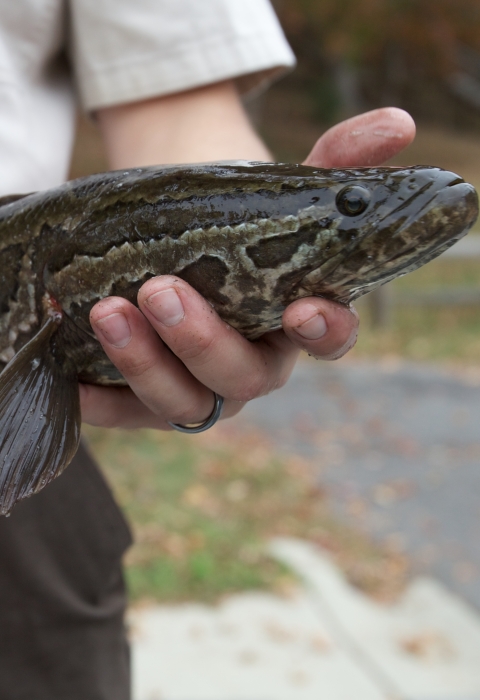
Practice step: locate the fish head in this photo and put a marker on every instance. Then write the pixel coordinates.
(383, 223)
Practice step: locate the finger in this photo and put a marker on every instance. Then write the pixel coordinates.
(322, 328)
(116, 407)
(216, 354)
(367, 139)
(119, 407)
(156, 376)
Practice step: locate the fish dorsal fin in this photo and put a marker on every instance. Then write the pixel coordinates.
(9, 198)
(39, 419)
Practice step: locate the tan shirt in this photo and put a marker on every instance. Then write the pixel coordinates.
(118, 51)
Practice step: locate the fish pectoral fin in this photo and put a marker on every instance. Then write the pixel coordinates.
(39, 419)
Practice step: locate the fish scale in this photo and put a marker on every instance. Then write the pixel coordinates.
(250, 237)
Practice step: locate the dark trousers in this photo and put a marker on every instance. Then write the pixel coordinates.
(62, 596)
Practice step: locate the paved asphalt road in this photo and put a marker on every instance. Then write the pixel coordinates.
(398, 447)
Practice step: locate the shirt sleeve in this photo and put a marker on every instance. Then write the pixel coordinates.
(128, 50)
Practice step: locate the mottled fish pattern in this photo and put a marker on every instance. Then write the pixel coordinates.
(250, 237)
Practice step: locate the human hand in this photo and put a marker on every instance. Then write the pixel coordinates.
(174, 350)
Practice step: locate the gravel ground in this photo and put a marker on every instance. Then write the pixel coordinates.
(398, 447)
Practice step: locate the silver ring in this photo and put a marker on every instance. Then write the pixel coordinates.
(211, 420)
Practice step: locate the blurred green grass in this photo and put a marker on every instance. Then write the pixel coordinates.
(426, 332)
(203, 508)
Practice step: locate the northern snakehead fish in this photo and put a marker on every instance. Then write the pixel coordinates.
(250, 237)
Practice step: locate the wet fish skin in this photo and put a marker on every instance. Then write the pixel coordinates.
(251, 238)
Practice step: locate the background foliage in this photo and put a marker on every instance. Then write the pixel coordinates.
(423, 55)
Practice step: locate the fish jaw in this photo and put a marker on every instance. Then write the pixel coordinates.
(439, 212)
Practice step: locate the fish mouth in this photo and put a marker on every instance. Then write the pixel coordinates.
(423, 225)
(423, 236)
(447, 217)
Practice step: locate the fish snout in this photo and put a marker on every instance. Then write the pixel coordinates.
(457, 201)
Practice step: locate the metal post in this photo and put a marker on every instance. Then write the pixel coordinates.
(380, 304)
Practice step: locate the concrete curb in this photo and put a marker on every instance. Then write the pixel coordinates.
(328, 642)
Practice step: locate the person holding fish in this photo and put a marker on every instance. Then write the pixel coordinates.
(165, 82)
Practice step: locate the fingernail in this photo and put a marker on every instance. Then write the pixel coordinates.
(313, 328)
(115, 329)
(166, 306)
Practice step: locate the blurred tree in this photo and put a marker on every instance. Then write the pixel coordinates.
(418, 54)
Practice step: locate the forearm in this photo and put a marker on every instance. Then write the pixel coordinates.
(205, 124)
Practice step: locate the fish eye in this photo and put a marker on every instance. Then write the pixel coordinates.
(352, 200)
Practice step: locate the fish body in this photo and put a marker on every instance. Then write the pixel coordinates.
(250, 237)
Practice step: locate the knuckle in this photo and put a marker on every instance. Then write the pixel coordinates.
(135, 367)
(196, 348)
